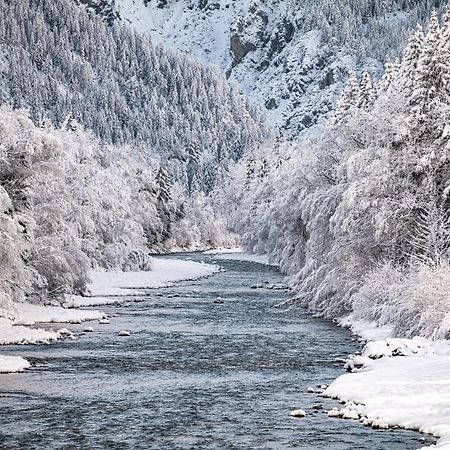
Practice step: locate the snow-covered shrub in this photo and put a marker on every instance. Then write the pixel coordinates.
(415, 300)
(202, 227)
(137, 260)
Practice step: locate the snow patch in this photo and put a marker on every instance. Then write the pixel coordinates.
(237, 254)
(165, 272)
(12, 364)
(400, 382)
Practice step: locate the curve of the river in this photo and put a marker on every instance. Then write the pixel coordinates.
(194, 374)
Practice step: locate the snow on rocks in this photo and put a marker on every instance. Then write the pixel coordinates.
(77, 301)
(18, 331)
(334, 413)
(124, 333)
(89, 330)
(12, 364)
(11, 334)
(298, 413)
(103, 321)
(398, 383)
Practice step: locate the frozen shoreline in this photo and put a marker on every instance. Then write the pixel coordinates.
(106, 288)
(237, 254)
(398, 383)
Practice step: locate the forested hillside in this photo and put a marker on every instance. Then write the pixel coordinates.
(59, 60)
(69, 204)
(293, 57)
(107, 145)
(358, 213)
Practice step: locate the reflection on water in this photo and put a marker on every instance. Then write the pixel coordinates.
(193, 375)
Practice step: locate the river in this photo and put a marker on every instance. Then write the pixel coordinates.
(194, 374)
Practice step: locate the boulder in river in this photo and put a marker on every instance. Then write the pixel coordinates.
(298, 413)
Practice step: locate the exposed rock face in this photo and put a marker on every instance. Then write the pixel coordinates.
(292, 57)
(104, 8)
(248, 33)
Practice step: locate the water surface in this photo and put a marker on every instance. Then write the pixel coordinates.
(194, 374)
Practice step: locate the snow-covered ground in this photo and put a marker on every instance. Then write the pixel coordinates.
(237, 254)
(10, 364)
(32, 314)
(165, 272)
(399, 382)
(369, 331)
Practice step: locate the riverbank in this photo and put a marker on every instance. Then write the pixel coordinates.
(105, 288)
(401, 383)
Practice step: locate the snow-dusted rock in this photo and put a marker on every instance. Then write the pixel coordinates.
(334, 413)
(124, 333)
(298, 413)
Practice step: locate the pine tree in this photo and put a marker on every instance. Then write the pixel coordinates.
(348, 99)
(432, 73)
(390, 75)
(410, 60)
(164, 185)
(367, 93)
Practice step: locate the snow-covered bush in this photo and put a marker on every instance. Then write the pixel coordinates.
(415, 300)
(202, 227)
(68, 204)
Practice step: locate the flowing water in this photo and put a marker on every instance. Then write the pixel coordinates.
(194, 374)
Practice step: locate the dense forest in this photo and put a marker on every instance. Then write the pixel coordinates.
(59, 60)
(107, 147)
(358, 212)
(293, 57)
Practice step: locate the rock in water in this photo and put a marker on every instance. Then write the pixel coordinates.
(124, 333)
(103, 321)
(298, 413)
(89, 330)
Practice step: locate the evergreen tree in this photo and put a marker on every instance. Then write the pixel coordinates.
(348, 99)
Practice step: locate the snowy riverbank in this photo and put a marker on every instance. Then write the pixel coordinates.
(106, 287)
(237, 254)
(399, 383)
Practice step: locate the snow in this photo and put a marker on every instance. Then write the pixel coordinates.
(237, 254)
(11, 364)
(404, 383)
(32, 314)
(369, 331)
(77, 301)
(13, 334)
(18, 331)
(221, 251)
(298, 413)
(165, 272)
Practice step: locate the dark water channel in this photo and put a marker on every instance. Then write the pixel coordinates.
(194, 374)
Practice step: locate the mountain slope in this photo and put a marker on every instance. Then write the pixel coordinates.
(292, 56)
(58, 60)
